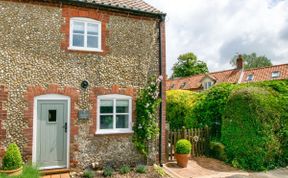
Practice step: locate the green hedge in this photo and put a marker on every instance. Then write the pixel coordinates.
(250, 121)
(179, 108)
(210, 107)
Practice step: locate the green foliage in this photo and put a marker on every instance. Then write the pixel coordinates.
(188, 65)
(146, 125)
(183, 146)
(108, 171)
(88, 174)
(250, 121)
(179, 108)
(28, 171)
(252, 61)
(141, 169)
(12, 158)
(159, 170)
(124, 169)
(217, 150)
(210, 107)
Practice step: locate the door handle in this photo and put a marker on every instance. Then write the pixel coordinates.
(65, 127)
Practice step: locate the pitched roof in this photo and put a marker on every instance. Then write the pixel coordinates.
(265, 73)
(138, 5)
(229, 76)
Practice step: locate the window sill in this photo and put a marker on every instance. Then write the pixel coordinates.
(85, 49)
(114, 133)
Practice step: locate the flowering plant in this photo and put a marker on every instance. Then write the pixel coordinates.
(146, 125)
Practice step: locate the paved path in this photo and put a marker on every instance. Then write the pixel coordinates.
(210, 168)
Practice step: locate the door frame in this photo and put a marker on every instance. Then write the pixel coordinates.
(50, 97)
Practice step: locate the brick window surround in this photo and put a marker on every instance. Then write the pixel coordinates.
(115, 89)
(69, 12)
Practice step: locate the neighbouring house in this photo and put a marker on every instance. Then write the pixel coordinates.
(70, 71)
(238, 75)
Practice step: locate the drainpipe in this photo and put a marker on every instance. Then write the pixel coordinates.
(162, 19)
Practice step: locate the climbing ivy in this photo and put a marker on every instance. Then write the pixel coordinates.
(146, 125)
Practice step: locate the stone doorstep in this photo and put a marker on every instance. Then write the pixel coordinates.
(50, 172)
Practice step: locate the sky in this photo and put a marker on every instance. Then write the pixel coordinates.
(216, 30)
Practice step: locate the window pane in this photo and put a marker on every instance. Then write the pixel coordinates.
(122, 121)
(122, 106)
(52, 116)
(106, 106)
(92, 41)
(78, 27)
(106, 122)
(78, 40)
(92, 29)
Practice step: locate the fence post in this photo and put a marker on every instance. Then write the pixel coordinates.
(207, 138)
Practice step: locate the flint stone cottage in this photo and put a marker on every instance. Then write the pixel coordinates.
(69, 76)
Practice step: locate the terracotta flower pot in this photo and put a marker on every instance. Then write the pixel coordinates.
(15, 172)
(182, 159)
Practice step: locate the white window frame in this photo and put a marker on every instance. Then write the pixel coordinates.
(275, 74)
(251, 77)
(114, 97)
(85, 21)
(206, 86)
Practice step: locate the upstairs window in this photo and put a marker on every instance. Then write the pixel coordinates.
(114, 114)
(85, 34)
(250, 77)
(207, 85)
(275, 74)
(172, 86)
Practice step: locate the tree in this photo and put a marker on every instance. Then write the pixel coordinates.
(188, 65)
(252, 61)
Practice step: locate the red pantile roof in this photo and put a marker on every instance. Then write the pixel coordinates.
(139, 5)
(265, 73)
(229, 76)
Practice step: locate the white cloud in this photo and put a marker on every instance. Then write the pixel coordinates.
(215, 30)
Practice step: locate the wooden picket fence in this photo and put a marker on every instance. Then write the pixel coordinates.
(199, 138)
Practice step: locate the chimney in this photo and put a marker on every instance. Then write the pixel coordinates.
(240, 62)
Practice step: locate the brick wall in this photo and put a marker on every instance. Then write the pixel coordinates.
(3, 116)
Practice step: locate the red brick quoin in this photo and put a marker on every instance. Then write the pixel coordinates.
(33, 91)
(71, 11)
(3, 116)
(115, 89)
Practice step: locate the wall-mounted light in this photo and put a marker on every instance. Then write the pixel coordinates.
(84, 84)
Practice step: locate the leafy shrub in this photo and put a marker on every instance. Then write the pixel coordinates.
(108, 171)
(124, 169)
(12, 158)
(159, 170)
(88, 174)
(217, 150)
(141, 169)
(179, 108)
(146, 125)
(183, 146)
(250, 121)
(28, 172)
(210, 107)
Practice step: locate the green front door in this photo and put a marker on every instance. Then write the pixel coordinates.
(51, 149)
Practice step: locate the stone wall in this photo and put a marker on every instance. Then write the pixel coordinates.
(34, 58)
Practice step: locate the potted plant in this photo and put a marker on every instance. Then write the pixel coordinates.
(12, 162)
(182, 152)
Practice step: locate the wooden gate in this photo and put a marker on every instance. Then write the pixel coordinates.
(199, 138)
